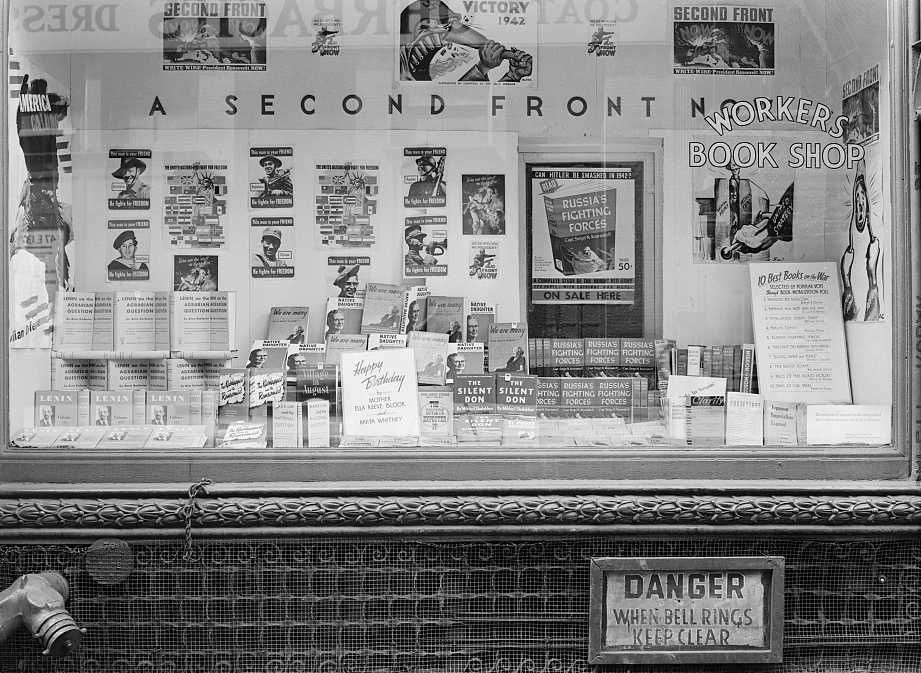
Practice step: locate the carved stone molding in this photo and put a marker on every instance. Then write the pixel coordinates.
(455, 511)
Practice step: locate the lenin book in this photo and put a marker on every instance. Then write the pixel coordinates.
(74, 322)
(111, 407)
(78, 374)
(202, 321)
(128, 374)
(135, 321)
(61, 407)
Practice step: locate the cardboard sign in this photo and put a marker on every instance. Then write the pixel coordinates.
(686, 610)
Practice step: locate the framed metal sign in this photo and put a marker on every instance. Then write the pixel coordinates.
(686, 610)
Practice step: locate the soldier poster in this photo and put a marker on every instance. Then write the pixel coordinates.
(131, 241)
(129, 187)
(214, 36)
(424, 177)
(860, 104)
(347, 275)
(483, 259)
(456, 42)
(484, 204)
(346, 204)
(271, 177)
(723, 40)
(583, 222)
(195, 203)
(272, 247)
(425, 246)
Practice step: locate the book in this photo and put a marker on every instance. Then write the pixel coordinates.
(430, 352)
(61, 407)
(747, 371)
(268, 354)
(601, 356)
(383, 310)
(288, 323)
(415, 309)
(508, 345)
(564, 357)
(474, 394)
(744, 419)
(127, 374)
(287, 425)
(171, 407)
(183, 374)
(338, 344)
(548, 397)
(516, 394)
(638, 353)
(111, 407)
(445, 315)
(379, 341)
(135, 321)
(300, 356)
(202, 321)
(161, 321)
(379, 397)
(233, 398)
(319, 382)
(122, 438)
(622, 397)
(318, 423)
(74, 321)
(343, 315)
(581, 249)
(695, 355)
(478, 318)
(705, 419)
(78, 374)
(82, 437)
(175, 437)
(579, 397)
(465, 358)
(436, 414)
(799, 332)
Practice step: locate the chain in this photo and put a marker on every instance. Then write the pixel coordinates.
(195, 490)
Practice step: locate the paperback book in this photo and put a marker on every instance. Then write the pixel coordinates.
(445, 316)
(343, 316)
(288, 323)
(383, 310)
(508, 347)
(430, 352)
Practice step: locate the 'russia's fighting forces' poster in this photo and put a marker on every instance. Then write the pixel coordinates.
(583, 223)
(467, 41)
(723, 40)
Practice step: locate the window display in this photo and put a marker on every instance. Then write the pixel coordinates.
(451, 224)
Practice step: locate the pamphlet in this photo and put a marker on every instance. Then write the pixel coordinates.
(288, 323)
(343, 315)
(836, 424)
(744, 419)
(430, 352)
(383, 310)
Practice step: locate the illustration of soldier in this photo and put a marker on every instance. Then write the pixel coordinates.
(434, 41)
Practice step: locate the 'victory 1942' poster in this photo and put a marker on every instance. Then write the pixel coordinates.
(583, 222)
(467, 42)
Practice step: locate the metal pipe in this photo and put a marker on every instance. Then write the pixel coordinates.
(37, 601)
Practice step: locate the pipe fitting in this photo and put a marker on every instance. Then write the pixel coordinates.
(37, 601)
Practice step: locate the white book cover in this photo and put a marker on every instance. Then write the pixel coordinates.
(202, 321)
(74, 328)
(799, 332)
(78, 374)
(744, 419)
(287, 425)
(379, 396)
(103, 328)
(128, 374)
(135, 321)
(317, 423)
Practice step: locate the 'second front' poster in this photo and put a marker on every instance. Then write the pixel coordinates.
(583, 226)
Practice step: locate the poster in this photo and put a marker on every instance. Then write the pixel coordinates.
(483, 259)
(379, 395)
(799, 332)
(583, 224)
(131, 242)
(346, 204)
(723, 40)
(424, 177)
(743, 214)
(860, 104)
(460, 42)
(484, 204)
(40, 234)
(214, 36)
(602, 40)
(195, 273)
(425, 246)
(861, 255)
(328, 29)
(195, 203)
(129, 188)
(272, 247)
(271, 177)
(347, 275)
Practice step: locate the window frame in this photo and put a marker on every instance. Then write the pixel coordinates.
(496, 470)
